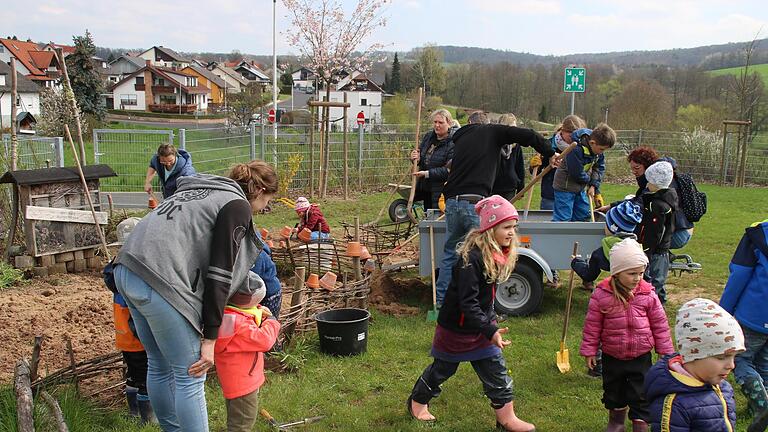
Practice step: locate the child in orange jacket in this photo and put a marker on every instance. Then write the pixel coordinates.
(247, 331)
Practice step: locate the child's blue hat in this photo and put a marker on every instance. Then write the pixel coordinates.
(623, 217)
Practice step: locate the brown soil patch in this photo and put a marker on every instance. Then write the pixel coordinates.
(387, 291)
(74, 306)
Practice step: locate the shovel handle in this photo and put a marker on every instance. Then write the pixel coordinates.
(570, 295)
(530, 197)
(543, 172)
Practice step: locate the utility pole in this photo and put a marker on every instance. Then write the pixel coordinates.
(275, 89)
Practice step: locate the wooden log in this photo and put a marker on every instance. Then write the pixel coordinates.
(55, 409)
(24, 400)
(73, 365)
(35, 358)
(65, 215)
(298, 290)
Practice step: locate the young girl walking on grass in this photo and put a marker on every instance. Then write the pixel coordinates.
(626, 316)
(466, 325)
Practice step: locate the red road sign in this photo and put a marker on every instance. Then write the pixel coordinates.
(271, 116)
(360, 118)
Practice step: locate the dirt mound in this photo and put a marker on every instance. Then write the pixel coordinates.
(387, 292)
(74, 306)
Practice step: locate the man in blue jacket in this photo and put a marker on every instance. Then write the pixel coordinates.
(169, 164)
(745, 296)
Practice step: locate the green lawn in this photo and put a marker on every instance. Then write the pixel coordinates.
(369, 391)
(761, 69)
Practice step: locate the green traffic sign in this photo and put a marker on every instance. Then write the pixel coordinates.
(575, 80)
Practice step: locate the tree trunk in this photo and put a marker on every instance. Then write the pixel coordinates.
(24, 399)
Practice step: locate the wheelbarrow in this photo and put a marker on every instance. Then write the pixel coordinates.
(682, 263)
(398, 209)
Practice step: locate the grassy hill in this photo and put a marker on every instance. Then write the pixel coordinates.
(762, 69)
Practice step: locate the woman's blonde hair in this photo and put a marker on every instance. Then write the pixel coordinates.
(255, 177)
(508, 119)
(485, 241)
(443, 112)
(571, 123)
(621, 293)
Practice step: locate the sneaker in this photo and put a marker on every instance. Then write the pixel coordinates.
(588, 286)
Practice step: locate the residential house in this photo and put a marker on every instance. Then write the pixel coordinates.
(165, 57)
(303, 78)
(66, 50)
(207, 78)
(233, 80)
(28, 100)
(252, 72)
(121, 67)
(40, 66)
(362, 94)
(169, 90)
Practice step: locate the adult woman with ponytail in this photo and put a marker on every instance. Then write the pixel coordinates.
(176, 271)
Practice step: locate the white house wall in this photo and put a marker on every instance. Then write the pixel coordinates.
(30, 102)
(128, 88)
(372, 109)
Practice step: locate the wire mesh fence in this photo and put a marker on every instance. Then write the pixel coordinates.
(377, 155)
(33, 152)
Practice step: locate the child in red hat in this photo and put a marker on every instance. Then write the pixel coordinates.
(466, 325)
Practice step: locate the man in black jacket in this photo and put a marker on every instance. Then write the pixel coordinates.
(477, 150)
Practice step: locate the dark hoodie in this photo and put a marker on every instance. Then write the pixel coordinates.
(680, 403)
(658, 225)
(477, 150)
(747, 287)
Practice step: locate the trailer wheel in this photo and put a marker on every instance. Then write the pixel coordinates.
(398, 210)
(522, 293)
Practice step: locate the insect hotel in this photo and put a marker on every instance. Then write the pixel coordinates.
(59, 229)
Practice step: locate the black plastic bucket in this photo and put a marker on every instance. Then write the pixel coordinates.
(343, 332)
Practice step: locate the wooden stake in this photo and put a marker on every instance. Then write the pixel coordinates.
(543, 172)
(356, 260)
(87, 194)
(415, 163)
(346, 153)
(73, 365)
(298, 289)
(55, 409)
(35, 358)
(24, 399)
(72, 102)
(111, 205)
(312, 152)
(14, 137)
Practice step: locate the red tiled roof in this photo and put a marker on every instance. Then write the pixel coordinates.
(30, 56)
(41, 59)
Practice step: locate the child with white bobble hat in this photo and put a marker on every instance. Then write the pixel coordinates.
(658, 225)
(688, 391)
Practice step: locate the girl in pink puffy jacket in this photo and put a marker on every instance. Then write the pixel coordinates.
(626, 316)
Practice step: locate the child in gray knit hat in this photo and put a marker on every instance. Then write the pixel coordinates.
(658, 225)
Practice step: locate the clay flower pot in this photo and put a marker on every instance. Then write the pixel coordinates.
(353, 249)
(328, 281)
(313, 281)
(364, 254)
(285, 232)
(271, 244)
(152, 203)
(264, 233)
(305, 235)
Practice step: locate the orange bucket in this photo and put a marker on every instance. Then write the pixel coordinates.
(285, 231)
(305, 235)
(328, 281)
(353, 249)
(313, 281)
(364, 254)
(264, 233)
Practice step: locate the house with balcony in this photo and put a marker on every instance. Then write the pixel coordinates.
(40, 66)
(160, 89)
(362, 94)
(208, 79)
(234, 82)
(27, 101)
(165, 57)
(252, 72)
(121, 67)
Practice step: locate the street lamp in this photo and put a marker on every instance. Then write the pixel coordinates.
(274, 69)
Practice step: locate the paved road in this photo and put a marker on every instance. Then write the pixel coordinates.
(169, 125)
(299, 101)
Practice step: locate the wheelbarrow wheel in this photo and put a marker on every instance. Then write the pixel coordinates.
(398, 210)
(522, 293)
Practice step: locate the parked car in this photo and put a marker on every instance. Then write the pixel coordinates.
(309, 90)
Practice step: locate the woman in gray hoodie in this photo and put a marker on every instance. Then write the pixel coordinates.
(177, 270)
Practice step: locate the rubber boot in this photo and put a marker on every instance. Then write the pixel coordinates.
(507, 421)
(757, 398)
(131, 398)
(616, 418)
(639, 426)
(145, 410)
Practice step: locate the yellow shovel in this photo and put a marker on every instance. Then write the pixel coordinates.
(562, 356)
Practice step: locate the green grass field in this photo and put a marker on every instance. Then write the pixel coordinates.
(368, 392)
(761, 69)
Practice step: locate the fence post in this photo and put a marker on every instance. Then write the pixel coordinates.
(359, 156)
(58, 151)
(182, 139)
(252, 131)
(640, 138)
(263, 149)
(95, 146)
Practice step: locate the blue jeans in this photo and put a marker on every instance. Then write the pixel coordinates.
(172, 345)
(547, 204)
(571, 207)
(657, 272)
(680, 238)
(317, 235)
(460, 218)
(752, 363)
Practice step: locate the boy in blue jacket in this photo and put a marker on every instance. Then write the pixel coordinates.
(745, 296)
(266, 269)
(581, 173)
(688, 391)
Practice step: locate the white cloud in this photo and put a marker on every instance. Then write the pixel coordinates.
(519, 7)
(51, 10)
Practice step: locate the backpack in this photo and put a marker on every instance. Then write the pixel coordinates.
(693, 202)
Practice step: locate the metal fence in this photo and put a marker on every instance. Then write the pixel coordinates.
(378, 154)
(33, 152)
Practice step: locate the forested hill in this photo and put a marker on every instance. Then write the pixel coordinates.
(707, 57)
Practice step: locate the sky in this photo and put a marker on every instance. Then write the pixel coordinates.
(534, 26)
